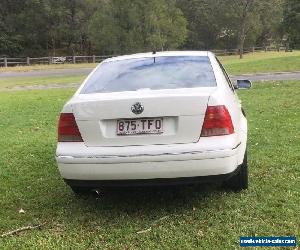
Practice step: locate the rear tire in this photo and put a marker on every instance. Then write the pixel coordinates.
(239, 181)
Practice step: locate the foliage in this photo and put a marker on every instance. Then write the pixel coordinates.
(59, 27)
(134, 25)
(230, 23)
(291, 22)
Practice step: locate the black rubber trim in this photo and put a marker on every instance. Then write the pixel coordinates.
(151, 182)
(244, 113)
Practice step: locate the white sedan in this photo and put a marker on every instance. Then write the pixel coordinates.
(154, 118)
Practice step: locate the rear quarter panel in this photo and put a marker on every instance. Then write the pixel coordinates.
(224, 95)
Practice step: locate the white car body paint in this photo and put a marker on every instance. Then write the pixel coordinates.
(179, 152)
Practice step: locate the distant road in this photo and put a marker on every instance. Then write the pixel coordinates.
(85, 71)
(269, 76)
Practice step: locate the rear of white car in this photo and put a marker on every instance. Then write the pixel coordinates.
(168, 117)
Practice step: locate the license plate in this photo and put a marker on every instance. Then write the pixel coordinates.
(140, 126)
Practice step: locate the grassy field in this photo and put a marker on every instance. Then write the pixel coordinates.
(202, 217)
(7, 83)
(262, 62)
(257, 62)
(47, 67)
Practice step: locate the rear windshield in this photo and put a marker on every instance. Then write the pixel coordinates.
(170, 72)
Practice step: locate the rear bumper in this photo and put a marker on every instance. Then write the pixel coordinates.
(172, 163)
(151, 182)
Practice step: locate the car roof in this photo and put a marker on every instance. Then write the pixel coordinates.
(159, 54)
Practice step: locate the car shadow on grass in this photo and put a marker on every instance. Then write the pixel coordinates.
(133, 208)
(170, 198)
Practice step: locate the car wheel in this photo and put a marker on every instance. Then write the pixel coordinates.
(239, 181)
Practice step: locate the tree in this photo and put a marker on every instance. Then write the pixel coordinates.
(291, 22)
(208, 23)
(134, 25)
(11, 42)
(165, 25)
(60, 27)
(270, 18)
(32, 26)
(77, 15)
(246, 17)
(229, 24)
(254, 19)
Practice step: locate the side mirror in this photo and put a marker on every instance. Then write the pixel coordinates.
(242, 84)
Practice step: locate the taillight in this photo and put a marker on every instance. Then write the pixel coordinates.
(217, 121)
(67, 129)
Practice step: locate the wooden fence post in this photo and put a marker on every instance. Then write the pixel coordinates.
(5, 62)
(28, 61)
(94, 58)
(253, 49)
(50, 60)
(74, 59)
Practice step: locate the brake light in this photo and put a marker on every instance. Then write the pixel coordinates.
(67, 129)
(217, 121)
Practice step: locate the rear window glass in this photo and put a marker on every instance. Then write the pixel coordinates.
(170, 72)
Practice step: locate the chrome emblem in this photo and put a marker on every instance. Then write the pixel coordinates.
(137, 108)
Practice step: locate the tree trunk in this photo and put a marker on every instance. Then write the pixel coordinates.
(53, 47)
(242, 40)
(89, 48)
(242, 32)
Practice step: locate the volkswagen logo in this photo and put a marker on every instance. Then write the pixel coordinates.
(137, 108)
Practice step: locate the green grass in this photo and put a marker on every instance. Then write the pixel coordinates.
(47, 67)
(6, 83)
(262, 62)
(203, 217)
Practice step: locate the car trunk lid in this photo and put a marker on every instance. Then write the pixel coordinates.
(181, 111)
